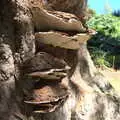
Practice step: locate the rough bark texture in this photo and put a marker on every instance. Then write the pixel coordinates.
(56, 80)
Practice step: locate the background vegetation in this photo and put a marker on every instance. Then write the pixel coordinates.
(105, 45)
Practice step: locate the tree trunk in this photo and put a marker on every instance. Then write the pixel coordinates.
(46, 72)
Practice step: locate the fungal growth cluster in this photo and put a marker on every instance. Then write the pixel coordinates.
(46, 74)
(58, 27)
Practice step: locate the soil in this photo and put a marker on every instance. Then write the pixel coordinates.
(113, 76)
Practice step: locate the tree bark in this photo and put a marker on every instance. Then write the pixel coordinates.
(33, 62)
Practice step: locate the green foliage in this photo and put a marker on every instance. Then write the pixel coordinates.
(106, 43)
(107, 24)
(99, 57)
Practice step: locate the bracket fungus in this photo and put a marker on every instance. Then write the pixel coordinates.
(47, 98)
(48, 92)
(62, 40)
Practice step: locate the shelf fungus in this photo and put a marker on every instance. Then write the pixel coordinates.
(52, 74)
(47, 98)
(45, 20)
(62, 39)
(67, 15)
(45, 64)
(48, 91)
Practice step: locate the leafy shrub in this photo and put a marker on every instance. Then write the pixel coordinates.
(99, 57)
